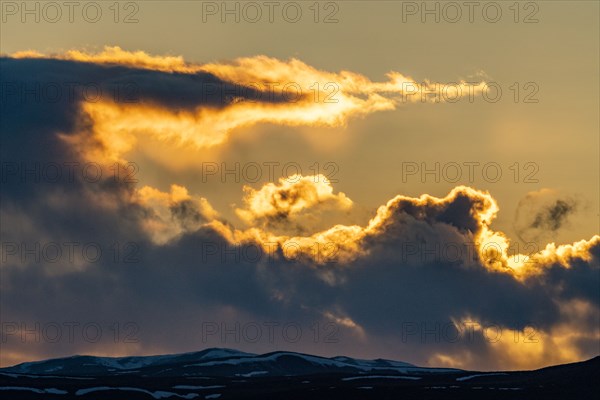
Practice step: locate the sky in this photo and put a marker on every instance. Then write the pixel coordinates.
(405, 180)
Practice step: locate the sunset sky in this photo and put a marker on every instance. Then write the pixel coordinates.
(319, 182)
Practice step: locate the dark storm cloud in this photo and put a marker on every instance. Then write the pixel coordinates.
(42, 98)
(60, 82)
(554, 216)
(407, 272)
(579, 281)
(541, 214)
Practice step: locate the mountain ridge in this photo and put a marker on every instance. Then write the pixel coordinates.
(215, 361)
(230, 374)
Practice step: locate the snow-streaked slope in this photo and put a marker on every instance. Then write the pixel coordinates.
(466, 378)
(217, 362)
(120, 364)
(341, 362)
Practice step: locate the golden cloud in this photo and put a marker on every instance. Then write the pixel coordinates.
(307, 96)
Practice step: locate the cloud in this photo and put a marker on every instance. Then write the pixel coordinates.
(248, 90)
(297, 201)
(541, 214)
(420, 268)
(172, 214)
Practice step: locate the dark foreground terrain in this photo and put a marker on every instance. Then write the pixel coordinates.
(284, 375)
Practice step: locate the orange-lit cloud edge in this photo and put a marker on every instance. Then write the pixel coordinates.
(118, 126)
